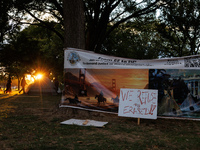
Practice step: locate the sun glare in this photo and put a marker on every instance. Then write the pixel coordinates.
(39, 76)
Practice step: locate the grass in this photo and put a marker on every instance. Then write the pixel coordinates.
(28, 122)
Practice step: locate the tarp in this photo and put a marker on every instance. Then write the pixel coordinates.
(93, 81)
(43, 86)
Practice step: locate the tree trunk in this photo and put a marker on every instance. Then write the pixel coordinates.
(74, 24)
(19, 81)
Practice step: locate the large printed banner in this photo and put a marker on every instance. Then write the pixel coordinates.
(93, 82)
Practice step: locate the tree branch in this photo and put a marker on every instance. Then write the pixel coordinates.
(58, 6)
(45, 24)
(136, 14)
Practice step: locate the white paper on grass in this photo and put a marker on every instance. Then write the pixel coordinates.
(81, 122)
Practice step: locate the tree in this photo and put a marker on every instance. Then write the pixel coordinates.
(180, 27)
(4, 19)
(138, 39)
(19, 55)
(34, 48)
(74, 23)
(98, 15)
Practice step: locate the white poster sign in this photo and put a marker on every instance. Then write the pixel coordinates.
(138, 103)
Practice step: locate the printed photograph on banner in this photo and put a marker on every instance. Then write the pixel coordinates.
(99, 89)
(178, 91)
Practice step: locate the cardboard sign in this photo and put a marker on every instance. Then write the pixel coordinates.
(138, 103)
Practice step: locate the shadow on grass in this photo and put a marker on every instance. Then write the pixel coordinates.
(34, 123)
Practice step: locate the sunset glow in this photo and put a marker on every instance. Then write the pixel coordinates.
(38, 76)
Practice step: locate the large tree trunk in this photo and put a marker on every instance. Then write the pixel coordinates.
(74, 24)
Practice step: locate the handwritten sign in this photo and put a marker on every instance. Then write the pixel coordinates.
(138, 103)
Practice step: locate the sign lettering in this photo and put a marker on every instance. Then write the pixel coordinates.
(138, 103)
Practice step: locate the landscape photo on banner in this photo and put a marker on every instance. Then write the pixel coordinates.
(93, 82)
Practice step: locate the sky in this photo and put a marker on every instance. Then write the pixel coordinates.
(125, 78)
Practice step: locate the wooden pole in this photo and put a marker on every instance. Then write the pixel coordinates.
(138, 121)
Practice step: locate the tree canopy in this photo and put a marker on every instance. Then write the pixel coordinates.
(98, 15)
(32, 49)
(125, 28)
(180, 27)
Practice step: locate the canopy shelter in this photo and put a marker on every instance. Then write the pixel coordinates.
(43, 86)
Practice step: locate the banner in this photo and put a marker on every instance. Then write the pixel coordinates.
(93, 82)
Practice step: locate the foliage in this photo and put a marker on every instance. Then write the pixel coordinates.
(50, 48)
(98, 14)
(125, 28)
(16, 55)
(5, 27)
(34, 48)
(138, 39)
(39, 47)
(180, 27)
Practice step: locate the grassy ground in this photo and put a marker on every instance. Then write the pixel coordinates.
(33, 122)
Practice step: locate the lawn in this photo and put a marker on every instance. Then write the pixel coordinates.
(33, 122)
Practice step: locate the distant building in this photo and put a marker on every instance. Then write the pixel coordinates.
(193, 84)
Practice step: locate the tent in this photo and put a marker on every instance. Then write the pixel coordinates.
(43, 86)
(169, 107)
(189, 105)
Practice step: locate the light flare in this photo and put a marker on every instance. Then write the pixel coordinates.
(39, 76)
